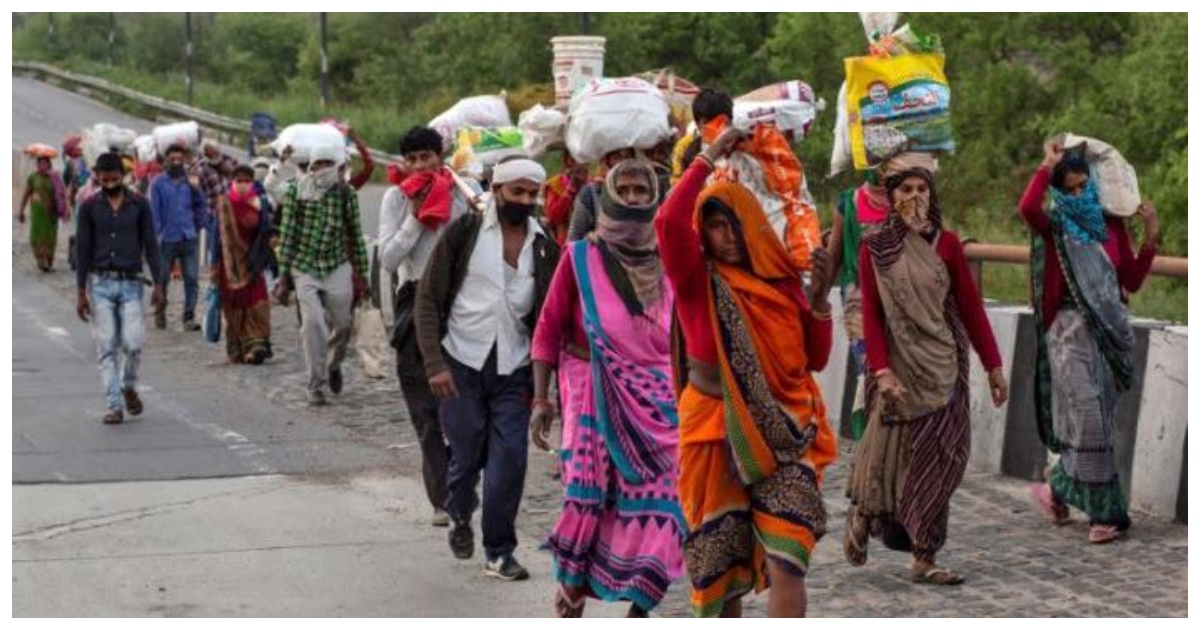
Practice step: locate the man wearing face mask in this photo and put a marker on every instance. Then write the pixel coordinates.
(322, 251)
(477, 304)
(261, 166)
(114, 233)
(179, 212)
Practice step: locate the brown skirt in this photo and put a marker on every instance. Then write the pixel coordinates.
(247, 330)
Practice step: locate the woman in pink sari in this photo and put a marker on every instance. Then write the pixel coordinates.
(606, 328)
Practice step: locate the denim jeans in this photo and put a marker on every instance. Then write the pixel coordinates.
(188, 254)
(119, 328)
(487, 427)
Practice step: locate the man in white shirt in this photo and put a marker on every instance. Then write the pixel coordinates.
(412, 216)
(477, 303)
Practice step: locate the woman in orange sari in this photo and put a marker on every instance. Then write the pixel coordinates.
(243, 213)
(754, 439)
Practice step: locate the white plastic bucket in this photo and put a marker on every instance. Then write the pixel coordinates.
(577, 59)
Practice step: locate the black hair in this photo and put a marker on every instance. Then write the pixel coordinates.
(243, 169)
(710, 103)
(421, 138)
(1072, 162)
(109, 162)
(176, 148)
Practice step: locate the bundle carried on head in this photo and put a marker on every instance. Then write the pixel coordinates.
(542, 129)
(309, 140)
(895, 99)
(102, 138)
(185, 134)
(488, 111)
(607, 115)
(1116, 180)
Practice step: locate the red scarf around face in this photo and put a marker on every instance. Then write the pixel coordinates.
(436, 186)
(396, 174)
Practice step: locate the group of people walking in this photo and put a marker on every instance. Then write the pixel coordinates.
(674, 330)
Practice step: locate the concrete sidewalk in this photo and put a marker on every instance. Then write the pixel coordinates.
(255, 546)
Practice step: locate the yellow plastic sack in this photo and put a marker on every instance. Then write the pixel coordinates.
(897, 104)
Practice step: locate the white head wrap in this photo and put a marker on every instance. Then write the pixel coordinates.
(513, 170)
(333, 152)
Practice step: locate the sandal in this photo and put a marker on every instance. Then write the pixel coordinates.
(1104, 534)
(857, 537)
(1053, 510)
(934, 574)
(567, 608)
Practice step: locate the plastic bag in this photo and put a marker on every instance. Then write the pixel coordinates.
(878, 25)
(306, 139)
(477, 111)
(842, 158)
(791, 106)
(212, 318)
(104, 137)
(1116, 180)
(897, 104)
(186, 134)
(147, 149)
(611, 114)
(370, 340)
(791, 117)
(542, 129)
(40, 150)
(794, 90)
(766, 165)
(487, 146)
(679, 94)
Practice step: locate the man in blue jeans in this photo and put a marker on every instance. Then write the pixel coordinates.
(113, 234)
(179, 211)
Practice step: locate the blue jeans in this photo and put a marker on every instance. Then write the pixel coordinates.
(119, 328)
(487, 427)
(188, 254)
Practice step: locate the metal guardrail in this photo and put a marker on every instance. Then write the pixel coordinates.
(979, 253)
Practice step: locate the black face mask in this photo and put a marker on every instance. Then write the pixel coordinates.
(175, 170)
(113, 191)
(515, 213)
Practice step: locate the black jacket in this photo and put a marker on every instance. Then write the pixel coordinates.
(444, 276)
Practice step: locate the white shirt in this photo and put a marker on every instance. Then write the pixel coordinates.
(490, 308)
(404, 242)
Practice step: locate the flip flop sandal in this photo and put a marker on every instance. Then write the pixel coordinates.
(940, 576)
(857, 537)
(1055, 512)
(1103, 534)
(567, 608)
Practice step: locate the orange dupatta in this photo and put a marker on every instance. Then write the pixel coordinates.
(774, 413)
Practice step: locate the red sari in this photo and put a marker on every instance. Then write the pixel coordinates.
(243, 296)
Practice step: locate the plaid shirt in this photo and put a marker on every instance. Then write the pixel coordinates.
(208, 181)
(314, 233)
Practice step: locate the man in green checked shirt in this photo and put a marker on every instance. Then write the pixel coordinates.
(321, 249)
